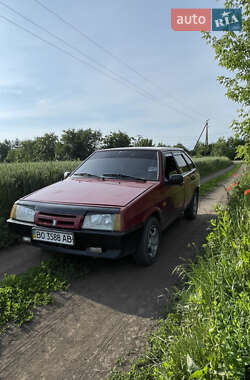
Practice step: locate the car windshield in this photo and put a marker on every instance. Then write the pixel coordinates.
(122, 164)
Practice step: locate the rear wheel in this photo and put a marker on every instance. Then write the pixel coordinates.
(191, 210)
(148, 250)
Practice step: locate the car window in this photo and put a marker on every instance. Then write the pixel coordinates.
(135, 163)
(189, 161)
(181, 163)
(170, 166)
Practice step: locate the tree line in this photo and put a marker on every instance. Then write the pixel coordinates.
(79, 144)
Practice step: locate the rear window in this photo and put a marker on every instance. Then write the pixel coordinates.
(189, 161)
(183, 166)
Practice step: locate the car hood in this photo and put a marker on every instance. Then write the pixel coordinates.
(90, 192)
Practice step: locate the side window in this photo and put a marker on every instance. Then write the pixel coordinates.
(170, 166)
(189, 161)
(181, 163)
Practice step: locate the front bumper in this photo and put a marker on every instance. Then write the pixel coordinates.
(113, 245)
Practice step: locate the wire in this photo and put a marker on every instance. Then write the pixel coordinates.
(68, 53)
(120, 79)
(76, 49)
(118, 59)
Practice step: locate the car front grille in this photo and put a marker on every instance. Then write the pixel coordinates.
(73, 222)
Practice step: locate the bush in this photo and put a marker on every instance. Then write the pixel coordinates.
(207, 335)
(19, 179)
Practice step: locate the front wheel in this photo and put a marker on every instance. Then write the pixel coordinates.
(191, 210)
(148, 250)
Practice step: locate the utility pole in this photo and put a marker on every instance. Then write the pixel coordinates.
(206, 143)
(206, 140)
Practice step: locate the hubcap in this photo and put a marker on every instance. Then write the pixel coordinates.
(153, 241)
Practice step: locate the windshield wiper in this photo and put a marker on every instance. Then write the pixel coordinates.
(86, 175)
(121, 175)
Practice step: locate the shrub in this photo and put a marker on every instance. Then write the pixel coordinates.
(207, 334)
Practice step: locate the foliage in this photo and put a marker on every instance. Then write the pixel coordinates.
(207, 334)
(161, 144)
(227, 148)
(19, 179)
(232, 50)
(141, 141)
(5, 146)
(179, 145)
(77, 145)
(222, 147)
(20, 295)
(73, 145)
(116, 140)
(45, 147)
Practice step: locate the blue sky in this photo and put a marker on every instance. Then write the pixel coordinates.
(43, 90)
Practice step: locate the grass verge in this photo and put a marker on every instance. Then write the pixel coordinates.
(207, 334)
(210, 185)
(21, 294)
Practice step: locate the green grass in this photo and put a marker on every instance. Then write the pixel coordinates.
(209, 165)
(207, 333)
(210, 185)
(20, 295)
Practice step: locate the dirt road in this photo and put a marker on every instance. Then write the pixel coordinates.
(105, 316)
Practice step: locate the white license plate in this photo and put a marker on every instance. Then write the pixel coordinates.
(58, 237)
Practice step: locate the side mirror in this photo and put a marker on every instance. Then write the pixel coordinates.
(66, 174)
(176, 179)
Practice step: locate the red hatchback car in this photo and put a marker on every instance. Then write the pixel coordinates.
(116, 203)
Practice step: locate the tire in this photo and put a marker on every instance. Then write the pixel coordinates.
(147, 252)
(191, 210)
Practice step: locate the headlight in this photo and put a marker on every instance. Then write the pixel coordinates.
(23, 213)
(106, 222)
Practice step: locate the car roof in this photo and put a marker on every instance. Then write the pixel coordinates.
(162, 148)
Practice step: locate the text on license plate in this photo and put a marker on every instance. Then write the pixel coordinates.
(53, 237)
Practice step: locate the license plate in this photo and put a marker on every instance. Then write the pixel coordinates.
(58, 237)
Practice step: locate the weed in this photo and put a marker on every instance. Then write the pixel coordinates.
(207, 334)
(21, 294)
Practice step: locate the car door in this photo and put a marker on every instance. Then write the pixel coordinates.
(194, 174)
(172, 195)
(186, 171)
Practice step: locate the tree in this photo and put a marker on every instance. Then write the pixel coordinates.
(227, 148)
(45, 147)
(201, 150)
(25, 151)
(4, 149)
(141, 141)
(232, 50)
(161, 144)
(180, 145)
(116, 140)
(78, 144)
